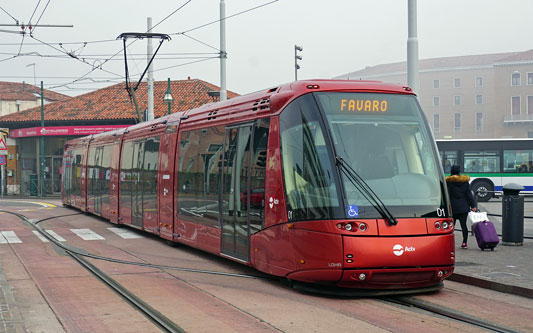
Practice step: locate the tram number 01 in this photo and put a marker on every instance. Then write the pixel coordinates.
(440, 212)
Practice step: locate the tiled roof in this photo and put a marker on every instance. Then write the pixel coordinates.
(113, 103)
(440, 63)
(521, 56)
(16, 91)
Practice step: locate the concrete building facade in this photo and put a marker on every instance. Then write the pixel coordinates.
(466, 97)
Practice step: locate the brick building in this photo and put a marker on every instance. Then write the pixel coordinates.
(465, 97)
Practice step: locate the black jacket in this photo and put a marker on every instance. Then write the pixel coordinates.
(460, 193)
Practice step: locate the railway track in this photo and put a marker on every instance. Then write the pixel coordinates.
(162, 322)
(167, 325)
(413, 302)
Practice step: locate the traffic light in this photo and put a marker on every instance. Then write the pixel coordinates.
(296, 58)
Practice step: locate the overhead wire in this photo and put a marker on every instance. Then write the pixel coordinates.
(5, 11)
(104, 61)
(122, 49)
(227, 17)
(42, 13)
(26, 26)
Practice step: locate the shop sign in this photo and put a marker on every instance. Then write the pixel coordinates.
(62, 130)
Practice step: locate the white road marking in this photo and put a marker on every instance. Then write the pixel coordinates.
(56, 236)
(126, 234)
(41, 237)
(9, 237)
(87, 234)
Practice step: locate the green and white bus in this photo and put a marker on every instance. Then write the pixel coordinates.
(490, 163)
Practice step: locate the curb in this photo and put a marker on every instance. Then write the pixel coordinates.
(497, 286)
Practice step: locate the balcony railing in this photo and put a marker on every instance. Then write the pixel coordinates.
(518, 118)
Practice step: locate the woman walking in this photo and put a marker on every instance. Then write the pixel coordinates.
(461, 198)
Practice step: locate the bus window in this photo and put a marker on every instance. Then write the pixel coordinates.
(518, 160)
(481, 161)
(448, 158)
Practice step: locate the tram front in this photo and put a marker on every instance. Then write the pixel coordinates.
(366, 163)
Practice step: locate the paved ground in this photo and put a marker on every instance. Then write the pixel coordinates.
(507, 268)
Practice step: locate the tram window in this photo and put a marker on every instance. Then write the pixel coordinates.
(126, 178)
(481, 161)
(76, 171)
(91, 171)
(257, 171)
(149, 174)
(308, 173)
(199, 157)
(518, 161)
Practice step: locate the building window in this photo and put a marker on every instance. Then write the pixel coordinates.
(436, 84)
(530, 107)
(457, 83)
(456, 100)
(529, 78)
(479, 99)
(479, 81)
(436, 101)
(457, 122)
(479, 122)
(515, 105)
(436, 123)
(515, 79)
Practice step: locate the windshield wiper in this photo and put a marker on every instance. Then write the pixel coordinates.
(366, 190)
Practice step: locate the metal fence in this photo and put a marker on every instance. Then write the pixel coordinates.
(31, 186)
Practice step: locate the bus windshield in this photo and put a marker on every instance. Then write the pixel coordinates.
(384, 139)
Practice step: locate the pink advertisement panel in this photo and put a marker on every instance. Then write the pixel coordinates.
(63, 130)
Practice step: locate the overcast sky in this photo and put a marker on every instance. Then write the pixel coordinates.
(338, 36)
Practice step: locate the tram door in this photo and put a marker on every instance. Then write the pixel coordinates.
(137, 185)
(97, 181)
(67, 175)
(236, 179)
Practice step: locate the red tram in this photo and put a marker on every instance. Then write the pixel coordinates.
(323, 182)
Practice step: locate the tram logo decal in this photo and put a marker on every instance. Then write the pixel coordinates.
(399, 249)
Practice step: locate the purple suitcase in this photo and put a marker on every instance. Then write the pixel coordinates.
(486, 235)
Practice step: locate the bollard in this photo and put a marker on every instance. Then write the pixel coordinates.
(513, 215)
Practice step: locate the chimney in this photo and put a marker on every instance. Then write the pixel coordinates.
(23, 84)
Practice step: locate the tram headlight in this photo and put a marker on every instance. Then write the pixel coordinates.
(362, 276)
(348, 226)
(445, 225)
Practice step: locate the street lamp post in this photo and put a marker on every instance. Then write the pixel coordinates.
(168, 97)
(296, 58)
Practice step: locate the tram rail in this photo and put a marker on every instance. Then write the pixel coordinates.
(413, 302)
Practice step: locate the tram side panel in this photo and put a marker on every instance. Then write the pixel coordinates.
(271, 248)
(114, 182)
(166, 181)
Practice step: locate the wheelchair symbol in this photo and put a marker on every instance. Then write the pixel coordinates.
(352, 210)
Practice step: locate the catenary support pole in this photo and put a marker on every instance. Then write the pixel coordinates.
(412, 48)
(150, 78)
(223, 54)
(43, 186)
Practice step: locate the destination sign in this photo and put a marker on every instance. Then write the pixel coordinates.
(363, 105)
(368, 105)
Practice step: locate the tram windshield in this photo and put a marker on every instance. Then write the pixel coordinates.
(381, 137)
